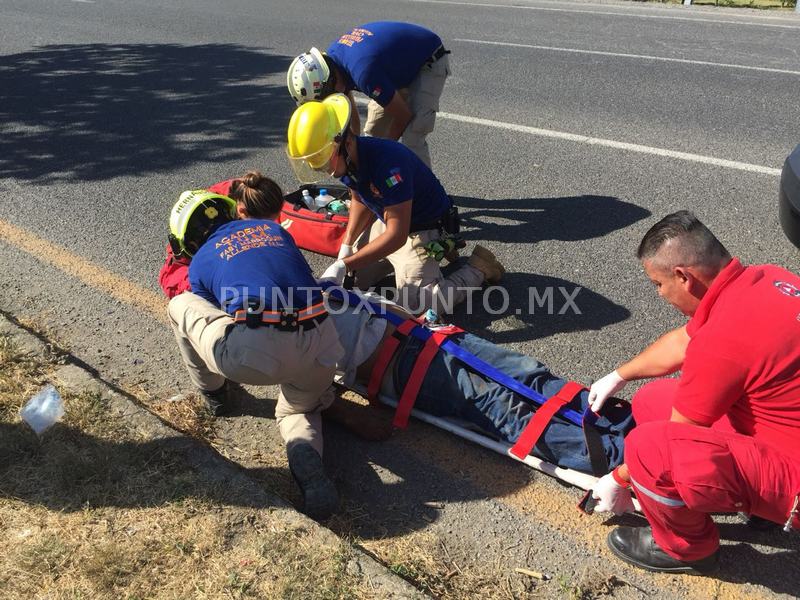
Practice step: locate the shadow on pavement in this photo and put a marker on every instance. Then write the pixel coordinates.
(95, 111)
(744, 560)
(245, 404)
(743, 563)
(570, 218)
(388, 491)
(530, 306)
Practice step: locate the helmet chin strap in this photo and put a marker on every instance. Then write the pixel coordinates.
(351, 168)
(329, 87)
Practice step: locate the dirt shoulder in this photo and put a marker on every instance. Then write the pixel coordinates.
(112, 503)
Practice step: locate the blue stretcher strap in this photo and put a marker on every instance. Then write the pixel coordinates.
(481, 366)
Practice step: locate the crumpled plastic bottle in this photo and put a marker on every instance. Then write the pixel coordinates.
(430, 317)
(44, 410)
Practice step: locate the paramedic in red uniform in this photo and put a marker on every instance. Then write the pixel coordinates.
(725, 436)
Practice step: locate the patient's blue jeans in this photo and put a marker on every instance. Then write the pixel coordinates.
(453, 389)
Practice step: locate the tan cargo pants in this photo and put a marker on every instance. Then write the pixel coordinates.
(302, 363)
(419, 280)
(422, 97)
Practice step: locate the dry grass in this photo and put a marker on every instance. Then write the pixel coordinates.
(92, 511)
(424, 559)
(184, 412)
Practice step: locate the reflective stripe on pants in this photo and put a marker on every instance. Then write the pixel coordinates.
(683, 473)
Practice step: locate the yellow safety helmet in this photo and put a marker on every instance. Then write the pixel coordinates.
(315, 132)
(196, 214)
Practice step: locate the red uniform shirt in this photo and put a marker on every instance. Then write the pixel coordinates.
(743, 358)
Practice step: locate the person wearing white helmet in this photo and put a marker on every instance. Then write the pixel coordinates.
(397, 201)
(401, 67)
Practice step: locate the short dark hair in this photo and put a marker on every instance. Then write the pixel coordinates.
(692, 243)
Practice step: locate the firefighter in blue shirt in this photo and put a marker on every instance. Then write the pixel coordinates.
(396, 196)
(400, 66)
(255, 316)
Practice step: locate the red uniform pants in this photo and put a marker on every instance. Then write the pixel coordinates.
(682, 473)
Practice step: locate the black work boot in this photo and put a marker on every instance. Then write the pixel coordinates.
(636, 546)
(217, 402)
(320, 499)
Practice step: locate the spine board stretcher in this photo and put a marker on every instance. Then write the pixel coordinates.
(576, 478)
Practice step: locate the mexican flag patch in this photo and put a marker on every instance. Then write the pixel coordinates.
(394, 178)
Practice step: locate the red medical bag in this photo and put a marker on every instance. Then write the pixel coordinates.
(320, 232)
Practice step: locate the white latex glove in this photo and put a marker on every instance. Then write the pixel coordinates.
(612, 496)
(345, 250)
(603, 389)
(335, 273)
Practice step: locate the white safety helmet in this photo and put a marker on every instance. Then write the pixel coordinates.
(309, 77)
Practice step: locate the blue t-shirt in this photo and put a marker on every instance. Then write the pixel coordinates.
(379, 58)
(252, 259)
(389, 174)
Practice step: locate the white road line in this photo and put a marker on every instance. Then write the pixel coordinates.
(624, 55)
(582, 139)
(602, 12)
(593, 141)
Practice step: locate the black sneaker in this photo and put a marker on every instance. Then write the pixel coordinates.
(636, 546)
(217, 402)
(320, 499)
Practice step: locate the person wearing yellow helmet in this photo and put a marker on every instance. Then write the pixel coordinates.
(396, 196)
(255, 316)
(402, 67)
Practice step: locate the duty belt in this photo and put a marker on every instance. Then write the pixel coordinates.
(437, 54)
(449, 222)
(426, 226)
(283, 320)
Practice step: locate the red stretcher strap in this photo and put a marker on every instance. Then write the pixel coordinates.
(424, 358)
(533, 431)
(388, 349)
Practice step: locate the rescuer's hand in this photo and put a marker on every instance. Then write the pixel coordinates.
(613, 493)
(603, 389)
(335, 273)
(345, 250)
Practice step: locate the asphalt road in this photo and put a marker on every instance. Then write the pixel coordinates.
(568, 128)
